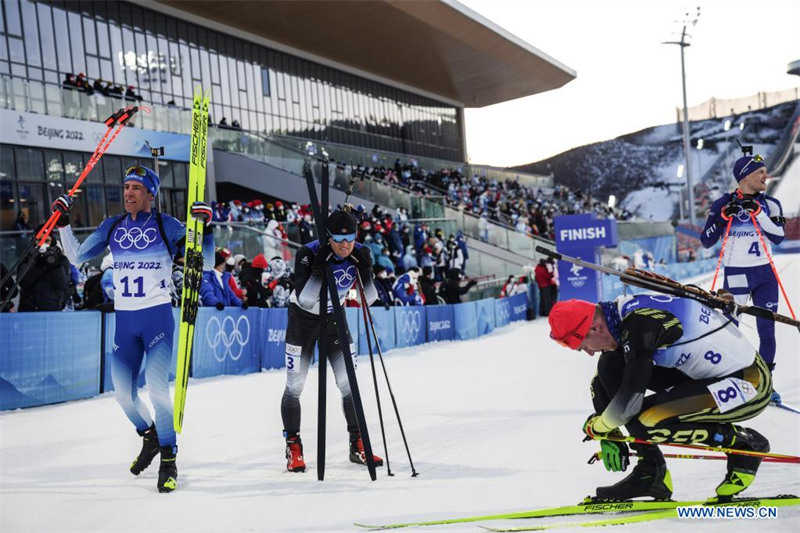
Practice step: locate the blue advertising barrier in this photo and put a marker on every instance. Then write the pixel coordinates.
(273, 325)
(409, 324)
(518, 307)
(441, 324)
(226, 342)
(486, 319)
(384, 326)
(502, 312)
(110, 321)
(44, 359)
(465, 317)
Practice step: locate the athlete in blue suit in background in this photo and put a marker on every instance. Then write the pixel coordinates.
(747, 267)
(144, 243)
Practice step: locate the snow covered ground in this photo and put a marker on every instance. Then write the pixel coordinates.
(493, 424)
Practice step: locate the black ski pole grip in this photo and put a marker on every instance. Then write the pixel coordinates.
(548, 252)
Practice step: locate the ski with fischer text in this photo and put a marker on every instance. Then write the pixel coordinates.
(193, 257)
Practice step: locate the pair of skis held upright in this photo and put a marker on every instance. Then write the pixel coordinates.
(193, 257)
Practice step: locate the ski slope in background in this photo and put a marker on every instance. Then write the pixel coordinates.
(494, 424)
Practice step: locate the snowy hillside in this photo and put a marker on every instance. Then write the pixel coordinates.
(643, 166)
(493, 424)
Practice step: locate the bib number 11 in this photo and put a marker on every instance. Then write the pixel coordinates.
(139, 282)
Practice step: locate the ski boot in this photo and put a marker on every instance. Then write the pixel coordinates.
(294, 454)
(742, 468)
(649, 477)
(168, 471)
(149, 450)
(357, 454)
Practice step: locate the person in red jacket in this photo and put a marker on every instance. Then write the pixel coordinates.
(544, 279)
(230, 267)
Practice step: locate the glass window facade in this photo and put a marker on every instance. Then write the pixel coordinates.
(32, 178)
(262, 89)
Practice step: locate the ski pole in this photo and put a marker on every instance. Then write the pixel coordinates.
(414, 473)
(785, 458)
(771, 262)
(120, 119)
(722, 251)
(596, 457)
(110, 122)
(374, 376)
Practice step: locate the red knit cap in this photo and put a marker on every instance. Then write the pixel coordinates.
(570, 322)
(259, 261)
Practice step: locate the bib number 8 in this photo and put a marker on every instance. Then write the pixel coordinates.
(727, 394)
(714, 357)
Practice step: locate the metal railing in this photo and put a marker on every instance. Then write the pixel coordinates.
(52, 99)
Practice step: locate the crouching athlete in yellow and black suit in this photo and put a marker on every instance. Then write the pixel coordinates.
(704, 373)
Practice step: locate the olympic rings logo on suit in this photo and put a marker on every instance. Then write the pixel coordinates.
(410, 325)
(134, 237)
(229, 337)
(344, 278)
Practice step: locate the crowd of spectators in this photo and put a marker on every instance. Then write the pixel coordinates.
(405, 258)
(527, 209)
(99, 86)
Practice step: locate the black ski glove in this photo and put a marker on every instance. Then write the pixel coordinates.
(731, 209)
(751, 205)
(320, 260)
(363, 260)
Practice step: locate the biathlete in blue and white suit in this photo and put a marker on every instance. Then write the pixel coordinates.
(747, 267)
(704, 374)
(346, 257)
(144, 243)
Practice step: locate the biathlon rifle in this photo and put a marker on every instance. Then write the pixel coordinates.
(656, 282)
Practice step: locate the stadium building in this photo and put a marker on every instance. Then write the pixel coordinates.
(370, 81)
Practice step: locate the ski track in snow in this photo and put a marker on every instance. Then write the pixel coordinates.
(493, 424)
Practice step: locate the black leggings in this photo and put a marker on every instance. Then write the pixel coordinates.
(302, 334)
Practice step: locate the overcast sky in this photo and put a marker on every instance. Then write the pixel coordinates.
(627, 80)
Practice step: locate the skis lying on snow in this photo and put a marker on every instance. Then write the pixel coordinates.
(589, 507)
(776, 501)
(648, 509)
(656, 282)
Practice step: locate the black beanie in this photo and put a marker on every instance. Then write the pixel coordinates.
(341, 223)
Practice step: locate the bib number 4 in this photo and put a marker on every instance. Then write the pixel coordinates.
(754, 250)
